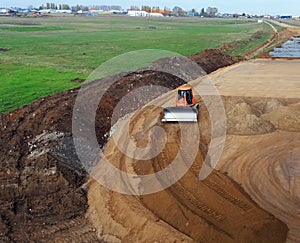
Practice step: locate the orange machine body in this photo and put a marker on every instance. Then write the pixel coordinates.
(185, 96)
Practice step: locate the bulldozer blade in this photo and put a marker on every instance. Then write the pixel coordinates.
(180, 114)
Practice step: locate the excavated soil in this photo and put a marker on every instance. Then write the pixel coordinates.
(46, 197)
(213, 210)
(261, 154)
(42, 180)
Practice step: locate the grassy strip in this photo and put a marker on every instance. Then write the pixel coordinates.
(46, 53)
(33, 28)
(240, 48)
(21, 85)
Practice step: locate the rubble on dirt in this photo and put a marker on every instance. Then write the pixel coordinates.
(40, 144)
(42, 179)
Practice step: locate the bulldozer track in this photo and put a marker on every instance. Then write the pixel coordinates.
(195, 205)
(194, 200)
(263, 172)
(200, 205)
(226, 195)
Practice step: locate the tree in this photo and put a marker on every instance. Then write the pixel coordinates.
(178, 11)
(65, 7)
(211, 11)
(155, 9)
(146, 8)
(116, 7)
(167, 11)
(135, 8)
(84, 8)
(203, 13)
(53, 6)
(75, 8)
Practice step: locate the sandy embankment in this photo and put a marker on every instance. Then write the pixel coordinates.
(264, 160)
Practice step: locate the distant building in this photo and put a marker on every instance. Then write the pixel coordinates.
(82, 12)
(286, 17)
(64, 11)
(192, 14)
(267, 16)
(156, 15)
(137, 13)
(3, 11)
(7, 12)
(118, 12)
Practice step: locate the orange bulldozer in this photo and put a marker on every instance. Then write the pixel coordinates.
(185, 110)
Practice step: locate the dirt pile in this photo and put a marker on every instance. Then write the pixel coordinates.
(42, 195)
(213, 59)
(253, 116)
(267, 106)
(242, 120)
(285, 118)
(43, 191)
(212, 210)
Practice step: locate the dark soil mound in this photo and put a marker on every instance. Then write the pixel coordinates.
(42, 180)
(213, 59)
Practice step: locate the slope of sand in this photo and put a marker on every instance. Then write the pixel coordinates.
(213, 210)
(264, 161)
(268, 168)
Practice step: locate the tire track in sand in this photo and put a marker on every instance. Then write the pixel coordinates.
(268, 168)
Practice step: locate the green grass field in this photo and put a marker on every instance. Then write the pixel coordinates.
(46, 53)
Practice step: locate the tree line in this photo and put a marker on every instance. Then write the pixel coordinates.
(176, 11)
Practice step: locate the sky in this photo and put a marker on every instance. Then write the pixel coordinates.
(273, 7)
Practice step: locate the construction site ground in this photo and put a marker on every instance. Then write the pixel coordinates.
(261, 154)
(251, 196)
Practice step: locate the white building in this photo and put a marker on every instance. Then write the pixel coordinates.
(64, 11)
(138, 13)
(4, 11)
(156, 15)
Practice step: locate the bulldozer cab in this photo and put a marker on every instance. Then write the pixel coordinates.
(187, 94)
